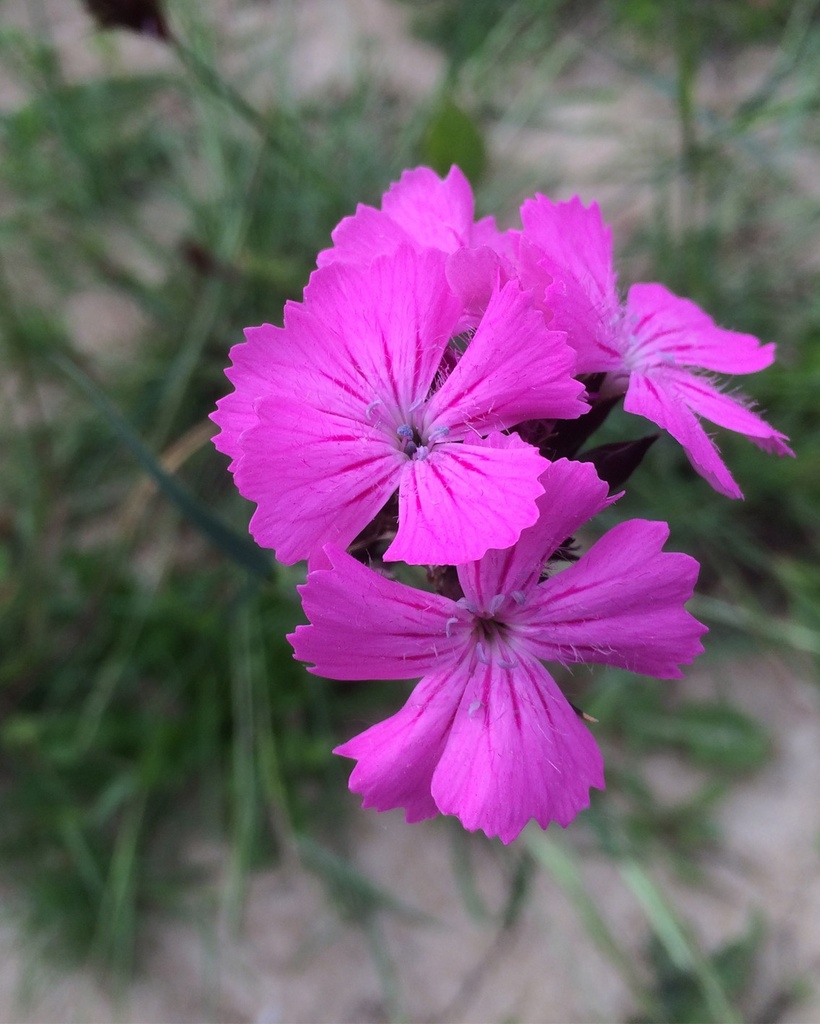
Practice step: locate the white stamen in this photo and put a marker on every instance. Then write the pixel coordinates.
(438, 432)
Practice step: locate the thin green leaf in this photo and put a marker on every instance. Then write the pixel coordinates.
(682, 950)
(237, 548)
(564, 870)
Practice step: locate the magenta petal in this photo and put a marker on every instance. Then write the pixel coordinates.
(573, 493)
(485, 233)
(420, 209)
(705, 399)
(363, 626)
(516, 751)
(573, 236)
(363, 237)
(316, 477)
(514, 370)
(667, 327)
(474, 274)
(397, 757)
(380, 330)
(568, 246)
(463, 499)
(436, 213)
(649, 397)
(253, 373)
(621, 604)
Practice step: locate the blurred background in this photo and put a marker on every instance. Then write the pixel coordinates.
(176, 840)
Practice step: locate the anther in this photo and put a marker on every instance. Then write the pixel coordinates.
(481, 654)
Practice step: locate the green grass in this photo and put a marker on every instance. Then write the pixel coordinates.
(147, 693)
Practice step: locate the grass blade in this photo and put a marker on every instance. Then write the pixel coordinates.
(680, 947)
(240, 550)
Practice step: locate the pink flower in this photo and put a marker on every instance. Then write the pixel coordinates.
(651, 346)
(427, 212)
(486, 734)
(360, 395)
(421, 210)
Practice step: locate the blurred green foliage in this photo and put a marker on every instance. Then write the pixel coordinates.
(146, 689)
(454, 138)
(678, 994)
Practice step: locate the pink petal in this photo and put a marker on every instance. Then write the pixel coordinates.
(706, 400)
(363, 237)
(575, 237)
(527, 258)
(649, 397)
(420, 209)
(485, 233)
(463, 499)
(572, 495)
(254, 372)
(436, 213)
(514, 369)
(569, 244)
(364, 626)
(277, 361)
(474, 274)
(621, 604)
(669, 328)
(516, 751)
(397, 757)
(317, 477)
(379, 330)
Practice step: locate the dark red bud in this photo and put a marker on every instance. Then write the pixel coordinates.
(616, 462)
(142, 16)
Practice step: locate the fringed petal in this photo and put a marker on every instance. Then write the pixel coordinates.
(622, 604)
(363, 626)
(516, 751)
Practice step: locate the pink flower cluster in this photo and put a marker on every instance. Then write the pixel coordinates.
(426, 402)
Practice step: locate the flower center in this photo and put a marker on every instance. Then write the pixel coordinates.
(494, 643)
(487, 615)
(414, 445)
(494, 635)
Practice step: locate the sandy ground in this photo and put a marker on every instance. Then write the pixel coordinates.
(293, 959)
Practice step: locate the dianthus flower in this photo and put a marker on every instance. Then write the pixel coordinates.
(420, 209)
(487, 735)
(428, 212)
(652, 346)
(361, 395)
